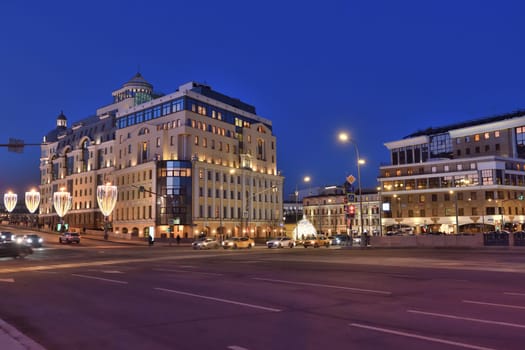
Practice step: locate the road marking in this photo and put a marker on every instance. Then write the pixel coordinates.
(324, 286)
(236, 347)
(467, 319)
(187, 271)
(100, 279)
(421, 337)
(514, 293)
(494, 304)
(112, 271)
(219, 299)
(10, 280)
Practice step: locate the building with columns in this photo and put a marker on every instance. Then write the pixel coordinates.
(193, 162)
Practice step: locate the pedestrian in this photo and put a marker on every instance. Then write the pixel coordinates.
(178, 239)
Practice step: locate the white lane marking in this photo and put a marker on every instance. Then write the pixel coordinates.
(494, 304)
(236, 347)
(499, 323)
(10, 280)
(100, 279)
(186, 271)
(421, 337)
(112, 271)
(514, 293)
(219, 299)
(324, 286)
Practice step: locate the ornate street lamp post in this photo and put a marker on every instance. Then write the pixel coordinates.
(62, 202)
(32, 200)
(10, 200)
(343, 137)
(106, 198)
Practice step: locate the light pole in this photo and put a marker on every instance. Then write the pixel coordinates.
(106, 198)
(62, 202)
(380, 210)
(32, 200)
(456, 209)
(343, 137)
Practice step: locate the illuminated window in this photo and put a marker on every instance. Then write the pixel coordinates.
(196, 140)
(496, 134)
(487, 136)
(476, 137)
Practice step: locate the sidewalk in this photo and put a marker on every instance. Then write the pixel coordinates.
(12, 339)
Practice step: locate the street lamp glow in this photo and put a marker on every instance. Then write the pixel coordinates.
(106, 199)
(62, 202)
(344, 137)
(32, 199)
(10, 200)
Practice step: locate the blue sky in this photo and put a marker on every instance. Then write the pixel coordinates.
(378, 69)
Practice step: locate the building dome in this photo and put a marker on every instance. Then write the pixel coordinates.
(61, 120)
(138, 81)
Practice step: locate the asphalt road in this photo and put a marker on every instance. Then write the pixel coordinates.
(112, 296)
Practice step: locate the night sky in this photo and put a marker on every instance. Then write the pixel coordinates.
(380, 70)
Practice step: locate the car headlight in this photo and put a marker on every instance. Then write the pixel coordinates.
(29, 240)
(40, 240)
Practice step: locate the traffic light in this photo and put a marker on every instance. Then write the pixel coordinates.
(351, 210)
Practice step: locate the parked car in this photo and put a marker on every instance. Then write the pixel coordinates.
(206, 243)
(14, 250)
(69, 237)
(33, 240)
(238, 242)
(316, 241)
(6, 236)
(280, 242)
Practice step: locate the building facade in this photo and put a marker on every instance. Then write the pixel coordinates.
(466, 177)
(193, 162)
(328, 212)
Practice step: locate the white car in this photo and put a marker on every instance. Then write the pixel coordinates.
(206, 243)
(281, 242)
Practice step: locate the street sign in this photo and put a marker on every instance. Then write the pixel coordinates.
(350, 197)
(350, 179)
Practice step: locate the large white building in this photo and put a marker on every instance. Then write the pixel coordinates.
(465, 177)
(191, 162)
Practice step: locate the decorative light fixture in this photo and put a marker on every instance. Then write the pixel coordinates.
(106, 198)
(32, 200)
(10, 200)
(62, 202)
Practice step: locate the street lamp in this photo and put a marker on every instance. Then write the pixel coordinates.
(106, 198)
(456, 209)
(380, 210)
(10, 200)
(343, 137)
(62, 202)
(32, 199)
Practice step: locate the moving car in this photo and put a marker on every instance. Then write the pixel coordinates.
(6, 236)
(14, 250)
(69, 237)
(340, 239)
(280, 242)
(316, 241)
(206, 243)
(33, 240)
(238, 242)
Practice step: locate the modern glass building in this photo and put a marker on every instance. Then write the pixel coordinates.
(465, 177)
